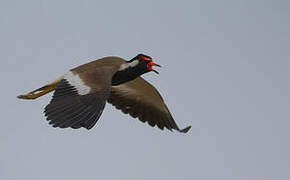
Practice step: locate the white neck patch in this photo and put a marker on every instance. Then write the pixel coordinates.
(75, 81)
(127, 65)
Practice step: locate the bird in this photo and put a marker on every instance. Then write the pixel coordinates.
(80, 95)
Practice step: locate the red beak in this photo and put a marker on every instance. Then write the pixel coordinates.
(150, 65)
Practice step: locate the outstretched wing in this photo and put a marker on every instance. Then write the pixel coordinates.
(80, 97)
(141, 100)
(70, 109)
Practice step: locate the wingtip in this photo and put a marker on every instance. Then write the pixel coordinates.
(185, 130)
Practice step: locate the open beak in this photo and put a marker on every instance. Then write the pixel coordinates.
(151, 64)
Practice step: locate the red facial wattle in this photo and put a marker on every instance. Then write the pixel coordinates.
(146, 59)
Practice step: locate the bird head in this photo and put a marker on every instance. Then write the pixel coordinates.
(134, 68)
(144, 63)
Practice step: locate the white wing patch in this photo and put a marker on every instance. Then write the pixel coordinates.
(77, 82)
(131, 64)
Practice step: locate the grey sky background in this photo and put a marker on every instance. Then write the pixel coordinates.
(225, 72)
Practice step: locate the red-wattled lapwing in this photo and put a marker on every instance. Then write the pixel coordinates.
(81, 94)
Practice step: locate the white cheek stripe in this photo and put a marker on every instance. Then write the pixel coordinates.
(131, 64)
(76, 81)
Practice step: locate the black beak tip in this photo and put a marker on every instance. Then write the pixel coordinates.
(156, 71)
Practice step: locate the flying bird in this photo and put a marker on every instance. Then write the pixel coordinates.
(81, 94)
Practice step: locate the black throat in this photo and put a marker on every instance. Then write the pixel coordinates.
(127, 74)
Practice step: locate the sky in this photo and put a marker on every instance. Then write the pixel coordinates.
(225, 72)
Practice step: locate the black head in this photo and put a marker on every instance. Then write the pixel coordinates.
(144, 63)
(134, 68)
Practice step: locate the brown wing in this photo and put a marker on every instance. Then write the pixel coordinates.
(140, 99)
(80, 97)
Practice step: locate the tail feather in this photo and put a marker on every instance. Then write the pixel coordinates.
(40, 91)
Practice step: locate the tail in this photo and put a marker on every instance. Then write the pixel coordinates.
(41, 91)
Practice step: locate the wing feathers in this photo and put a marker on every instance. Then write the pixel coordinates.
(92, 119)
(78, 105)
(141, 100)
(69, 109)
